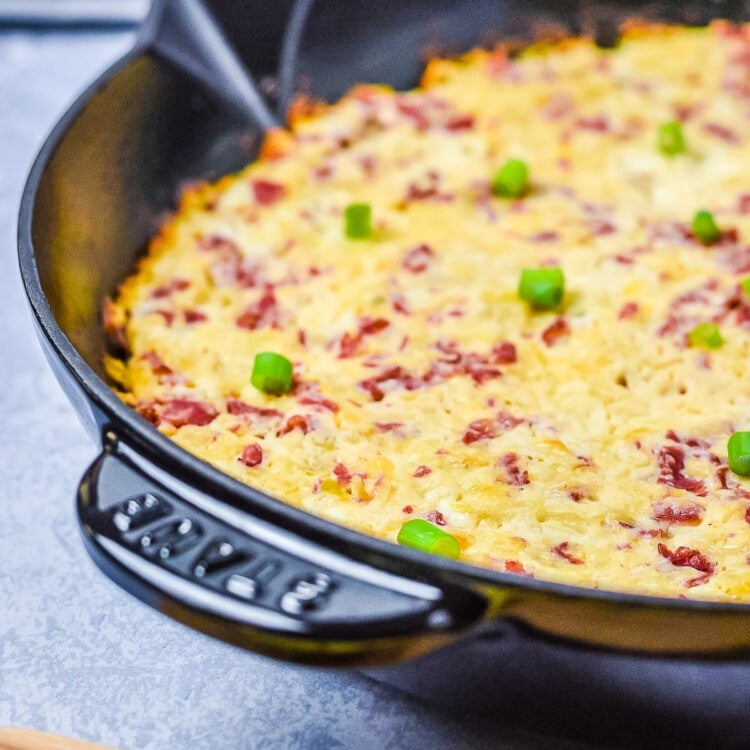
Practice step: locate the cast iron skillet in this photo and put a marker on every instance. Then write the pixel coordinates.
(183, 537)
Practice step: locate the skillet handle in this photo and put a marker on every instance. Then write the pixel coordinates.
(186, 34)
(249, 582)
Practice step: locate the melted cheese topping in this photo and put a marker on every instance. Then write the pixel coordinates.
(585, 445)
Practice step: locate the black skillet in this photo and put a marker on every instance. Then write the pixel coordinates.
(235, 563)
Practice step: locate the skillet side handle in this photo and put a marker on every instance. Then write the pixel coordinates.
(251, 583)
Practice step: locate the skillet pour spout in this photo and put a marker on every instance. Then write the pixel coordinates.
(199, 546)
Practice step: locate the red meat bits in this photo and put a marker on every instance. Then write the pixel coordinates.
(436, 517)
(418, 259)
(295, 422)
(563, 550)
(183, 411)
(195, 316)
(722, 132)
(677, 513)
(350, 342)
(252, 455)
(503, 354)
(481, 429)
(166, 290)
(318, 401)
(157, 365)
(240, 408)
(395, 374)
(514, 474)
(628, 310)
(671, 462)
(342, 474)
(459, 122)
(400, 305)
(261, 314)
(486, 429)
(214, 243)
(555, 331)
(514, 566)
(596, 124)
(687, 557)
(267, 193)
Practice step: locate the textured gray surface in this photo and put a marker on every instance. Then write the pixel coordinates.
(78, 656)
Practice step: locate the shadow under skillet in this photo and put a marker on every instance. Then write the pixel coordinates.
(509, 677)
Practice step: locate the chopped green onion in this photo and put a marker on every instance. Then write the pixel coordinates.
(511, 180)
(542, 288)
(358, 221)
(670, 138)
(422, 535)
(706, 335)
(745, 284)
(272, 373)
(705, 228)
(738, 449)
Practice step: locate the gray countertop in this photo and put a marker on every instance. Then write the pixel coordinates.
(77, 655)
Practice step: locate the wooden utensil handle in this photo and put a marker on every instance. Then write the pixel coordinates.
(30, 739)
